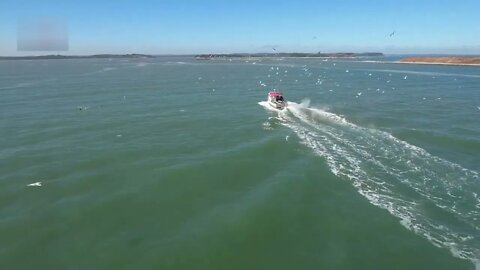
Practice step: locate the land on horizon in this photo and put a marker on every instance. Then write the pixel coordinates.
(199, 56)
(59, 56)
(472, 60)
(293, 54)
(444, 60)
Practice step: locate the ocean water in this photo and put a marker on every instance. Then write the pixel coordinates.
(175, 163)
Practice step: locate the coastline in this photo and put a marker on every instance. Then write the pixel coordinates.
(286, 55)
(435, 63)
(60, 57)
(420, 63)
(443, 60)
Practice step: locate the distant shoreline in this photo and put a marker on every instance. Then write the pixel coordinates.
(201, 56)
(286, 55)
(94, 56)
(473, 61)
(443, 64)
(443, 60)
(421, 63)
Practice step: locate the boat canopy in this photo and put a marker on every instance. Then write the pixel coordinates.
(274, 94)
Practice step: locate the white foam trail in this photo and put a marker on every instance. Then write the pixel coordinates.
(26, 84)
(18, 85)
(107, 69)
(392, 174)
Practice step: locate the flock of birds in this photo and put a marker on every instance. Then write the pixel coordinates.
(275, 73)
(329, 83)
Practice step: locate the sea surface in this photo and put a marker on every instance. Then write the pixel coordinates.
(177, 163)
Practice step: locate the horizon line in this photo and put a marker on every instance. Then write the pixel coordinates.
(194, 54)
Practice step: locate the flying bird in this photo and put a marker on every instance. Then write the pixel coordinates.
(36, 184)
(392, 34)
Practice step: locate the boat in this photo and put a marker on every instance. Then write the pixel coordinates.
(276, 100)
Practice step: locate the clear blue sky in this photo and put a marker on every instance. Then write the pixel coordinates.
(214, 26)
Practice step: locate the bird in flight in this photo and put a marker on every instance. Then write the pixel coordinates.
(392, 34)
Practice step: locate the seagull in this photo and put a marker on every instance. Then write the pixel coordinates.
(36, 184)
(405, 77)
(392, 34)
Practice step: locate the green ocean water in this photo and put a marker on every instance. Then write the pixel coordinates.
(174, 163)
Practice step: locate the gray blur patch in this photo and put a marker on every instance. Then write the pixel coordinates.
(42, 34)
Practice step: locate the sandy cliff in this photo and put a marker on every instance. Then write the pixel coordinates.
(447, 60)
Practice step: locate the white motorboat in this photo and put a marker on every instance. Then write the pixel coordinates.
(276, 100)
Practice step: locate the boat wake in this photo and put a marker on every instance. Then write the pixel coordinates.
(435, 198)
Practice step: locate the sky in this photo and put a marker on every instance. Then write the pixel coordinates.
(214, 26)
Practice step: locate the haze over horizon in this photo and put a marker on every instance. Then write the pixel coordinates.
(189, 27)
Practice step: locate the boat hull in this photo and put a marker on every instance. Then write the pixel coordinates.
(277, 105)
